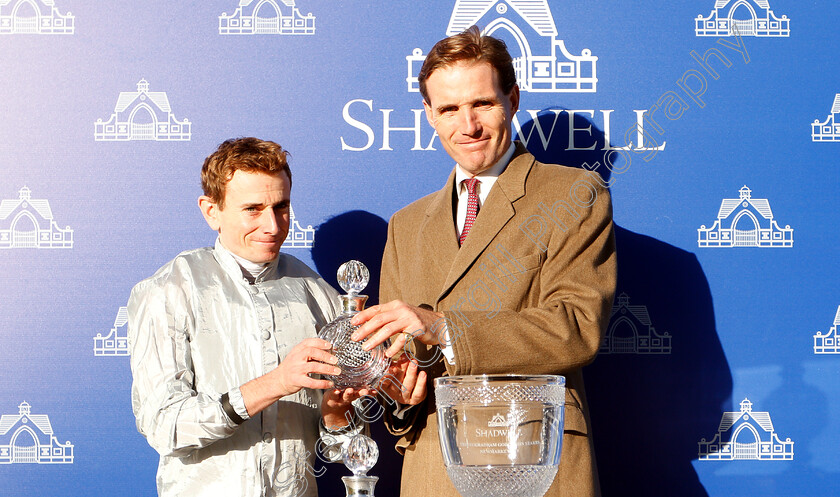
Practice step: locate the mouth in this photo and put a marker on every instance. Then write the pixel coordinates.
(479, 142)
(270, 243)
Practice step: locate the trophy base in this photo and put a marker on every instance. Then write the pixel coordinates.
(359, 486)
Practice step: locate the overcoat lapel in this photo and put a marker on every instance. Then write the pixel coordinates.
(437, 230)
(496, 212)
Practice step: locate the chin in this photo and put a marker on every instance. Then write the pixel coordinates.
(270, 257)
(262, 258)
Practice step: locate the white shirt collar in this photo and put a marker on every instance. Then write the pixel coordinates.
(488, 179)
(250, 270)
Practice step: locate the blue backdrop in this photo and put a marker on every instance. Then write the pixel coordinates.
(718, 375)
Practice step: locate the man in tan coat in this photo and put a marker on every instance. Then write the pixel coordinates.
(513, 273)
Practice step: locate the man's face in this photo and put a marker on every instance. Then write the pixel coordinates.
(471, 114)
(255, 220)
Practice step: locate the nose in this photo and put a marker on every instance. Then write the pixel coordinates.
(470, 125)
(270, 223)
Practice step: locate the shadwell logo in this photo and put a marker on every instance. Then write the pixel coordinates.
(745, 222)
(828, 343)
(828, 130)
(142, 115)
(540, 58)
(514, 418)
(35, 18)
(745, 435)
(29, 438)
(742, 18)
(266, 17)
(298, 236)
(28, 222)
(116, 342)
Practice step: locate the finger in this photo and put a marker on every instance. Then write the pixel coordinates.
(389, 329)
(314, 383)
(319, 355)
(392, 386)
(410, 380)
(365, 315)
(419, 392)
(321, 368)
(367, 392)
(387, 314)
(371, 325)
(330, 395)
(401, 359)
(397, 369)
(398, 344)
(313, 342)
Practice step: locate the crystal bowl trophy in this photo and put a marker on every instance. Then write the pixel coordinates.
(359, 455)
(359, 367)
(501, 435)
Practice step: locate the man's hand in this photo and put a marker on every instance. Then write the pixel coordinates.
(400, 320)
(337, 403)
(412, 388)
(310, 356)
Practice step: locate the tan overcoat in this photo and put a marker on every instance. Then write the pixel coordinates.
(529, 292)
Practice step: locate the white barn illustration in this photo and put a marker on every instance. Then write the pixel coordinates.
(39, 17)
(630, 331)
(828, 130)
(116, 343)
(266, 17)
(298, 237)
(745, 222)
(742, 17)
(830, 342)
(745, 435)
(29, 438)
(142, 115)
(28, 223)
(541, 60)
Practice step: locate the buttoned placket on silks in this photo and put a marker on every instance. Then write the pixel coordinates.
(270, 360)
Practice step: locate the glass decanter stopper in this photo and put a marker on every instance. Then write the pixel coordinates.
(359, 368)
(359, 455)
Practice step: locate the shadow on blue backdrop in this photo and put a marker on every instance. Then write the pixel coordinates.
(649, 410)
(661, 380)
(357, 235)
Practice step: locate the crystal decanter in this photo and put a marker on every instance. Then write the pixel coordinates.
(359, 455)
(359, 367)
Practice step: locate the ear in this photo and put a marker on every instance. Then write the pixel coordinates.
(429, 113)
(514, 99)
(210, 211)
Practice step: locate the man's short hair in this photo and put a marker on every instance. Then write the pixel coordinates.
(245, 154)
(469, 46)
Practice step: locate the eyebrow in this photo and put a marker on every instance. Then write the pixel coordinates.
(283, 202)
(473, 101)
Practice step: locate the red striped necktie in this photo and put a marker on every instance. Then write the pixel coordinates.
(472, 207)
